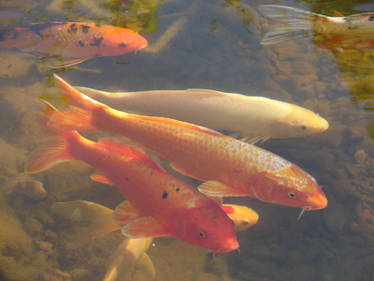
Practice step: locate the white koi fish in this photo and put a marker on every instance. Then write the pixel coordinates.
(255, 118)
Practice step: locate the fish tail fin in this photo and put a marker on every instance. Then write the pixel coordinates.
(55, 150)
(297, 23)
(55, 122)
(71, 119)
(73, 96)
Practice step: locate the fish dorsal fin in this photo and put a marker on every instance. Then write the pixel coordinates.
(125, 212)
(205, 93)
(135, 152)
(338, 14)
(100, 177)
(218, 189)
(144, 227)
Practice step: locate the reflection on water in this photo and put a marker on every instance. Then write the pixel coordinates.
(210, 45)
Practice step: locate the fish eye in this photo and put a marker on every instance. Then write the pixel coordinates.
(291, 194)
(303, 127)
(371, 18)
(202, 234)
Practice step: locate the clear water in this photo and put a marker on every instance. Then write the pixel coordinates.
(216, 47)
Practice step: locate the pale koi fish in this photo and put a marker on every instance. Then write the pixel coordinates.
(158, 203)
(253, 118)
(230, 167)
(297, 22)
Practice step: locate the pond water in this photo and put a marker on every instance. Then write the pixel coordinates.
(197, 44)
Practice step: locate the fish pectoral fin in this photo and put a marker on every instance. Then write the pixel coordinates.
(125, 144)
(125, 212)
(218, 189)
(144, 267)
(100, 177)
(144, 227)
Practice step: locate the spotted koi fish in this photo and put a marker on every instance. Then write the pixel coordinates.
(158, 204)
(74, 42)
(230, 167)
(297, 22)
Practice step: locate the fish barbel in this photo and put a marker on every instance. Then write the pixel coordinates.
(252, 117)
(158, 203)
(230, 167)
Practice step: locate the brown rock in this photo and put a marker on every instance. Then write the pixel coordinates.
(30, 188)
(360, 156)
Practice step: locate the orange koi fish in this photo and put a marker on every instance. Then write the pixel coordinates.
(131, 254)
(74, 42)
(230, 167)
(297, 22)
(158, 203)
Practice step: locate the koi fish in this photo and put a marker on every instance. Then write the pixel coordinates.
(298, 22)
(230, 167)
(74, 42)
(254, 118)
(158, 203)
(131, 255)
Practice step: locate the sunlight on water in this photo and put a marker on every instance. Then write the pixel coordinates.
(193, 44)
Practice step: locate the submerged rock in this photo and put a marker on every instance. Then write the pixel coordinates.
(30, 188)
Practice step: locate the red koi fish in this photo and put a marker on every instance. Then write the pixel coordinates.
(158, 204)
(337, 29)
(230, 167)
(74, 42)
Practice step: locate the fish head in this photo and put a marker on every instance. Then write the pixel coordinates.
(302, 122)
(206, 226)
(121, 41)
(242, 216)
(291, 187)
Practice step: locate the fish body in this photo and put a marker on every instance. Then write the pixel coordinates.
(159, 204)
(72, 40)
(250, 116)
(297, 22)
(230, 167)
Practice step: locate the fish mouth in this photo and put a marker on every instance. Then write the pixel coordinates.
(230, 245)
(317, 202)
(324, 125)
